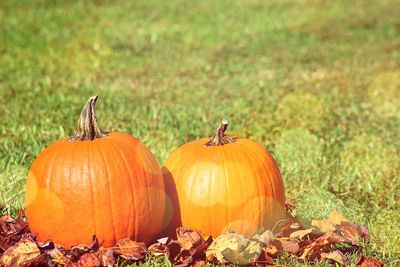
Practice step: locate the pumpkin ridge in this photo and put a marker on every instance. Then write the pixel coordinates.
(224, 162)
(248, 158)
(109, 190)
(272, 180)
(92, 202)
(238, 170)
(277, 191)
(195, 169)
(128, 171)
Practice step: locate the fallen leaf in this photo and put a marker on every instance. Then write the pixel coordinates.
(365, 261)
(43, 260)
(188, 238)
(58, 257)
(107, 257)
(300, 234)
(322, 241)
(186, 262)
(284, 245)
(234, 248)
(129, 249)
(353, 231)
(195, 252)
(265, 259)
(17, 255)
(89, 260)
(329, 224)
(271, 251)
(336, 256)
(285, 227)
(266, 237)
(11, 231)
(226, 240)
(199, 263)
(46, 245)
(158, 249)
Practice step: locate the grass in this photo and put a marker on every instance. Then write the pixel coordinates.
(315, 82)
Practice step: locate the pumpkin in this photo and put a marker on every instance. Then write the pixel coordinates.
(106, 184)
(224, 183)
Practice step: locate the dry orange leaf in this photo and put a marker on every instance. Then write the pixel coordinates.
(271, 250)
(329, 224)
(267, 237)
(326, 239)
(285, 245)
(300, 234)
(23, 251)
(130, 250)
(188, 238)
(336, 256)
(353, 231)
(89, 259)
(365, 261)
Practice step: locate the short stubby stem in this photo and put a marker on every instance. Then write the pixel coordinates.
(220, 139)
(88, 128)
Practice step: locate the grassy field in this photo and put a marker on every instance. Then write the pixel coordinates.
(316, 82)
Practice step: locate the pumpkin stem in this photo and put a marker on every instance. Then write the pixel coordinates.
(88, 127)
(220, 139)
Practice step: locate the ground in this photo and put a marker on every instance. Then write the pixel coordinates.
(315, 82)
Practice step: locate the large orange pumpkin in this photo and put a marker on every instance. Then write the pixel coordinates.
(99, 183)
(224, 183)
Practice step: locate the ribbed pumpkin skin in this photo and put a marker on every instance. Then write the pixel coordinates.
(111, 187)
(236, 186)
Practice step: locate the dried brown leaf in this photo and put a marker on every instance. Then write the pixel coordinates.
(265, 259)
(324, 240)
(353, 231)
(329, 224)
(130, 250)
(336, 256)
(58, 256)
(187, 261)
(285, 227)
(20, 253)
(46, 245)
(89, 260)
(158, 249)
(365, 261)
(202, 247)
(188, 238)
(284, 245)
(107, 256)
(199, 263)
(271, 251)
(266, 237)
(300, 234)
(234, 248)
(43, 260)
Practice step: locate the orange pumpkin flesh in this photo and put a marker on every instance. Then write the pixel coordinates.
(224, 183)
(96, 183)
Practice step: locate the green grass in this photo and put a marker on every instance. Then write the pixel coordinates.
(316, 82)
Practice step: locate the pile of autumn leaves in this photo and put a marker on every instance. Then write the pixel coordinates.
(327, 240)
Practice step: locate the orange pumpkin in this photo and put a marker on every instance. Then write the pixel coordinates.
(224, 183)
(99, 183)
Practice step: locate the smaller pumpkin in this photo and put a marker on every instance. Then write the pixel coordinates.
(224, 183)
(99, 183)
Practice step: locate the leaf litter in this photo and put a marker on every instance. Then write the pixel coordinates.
(330, 239)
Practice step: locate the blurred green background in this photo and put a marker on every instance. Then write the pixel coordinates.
(316, 82)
